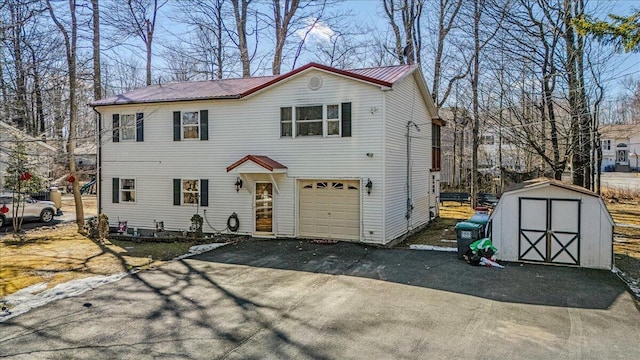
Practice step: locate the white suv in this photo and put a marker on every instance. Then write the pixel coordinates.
(33, 209)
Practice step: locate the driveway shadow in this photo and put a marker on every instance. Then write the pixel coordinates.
(516, 283)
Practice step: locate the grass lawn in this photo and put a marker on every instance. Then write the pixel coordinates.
(60, 254)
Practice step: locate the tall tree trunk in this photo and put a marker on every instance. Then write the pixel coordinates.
(20, 107)
(240, 14)
(390, 10)
(70, 46)
(97, 76)
(282, 22)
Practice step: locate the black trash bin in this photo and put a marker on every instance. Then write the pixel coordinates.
(466, 233)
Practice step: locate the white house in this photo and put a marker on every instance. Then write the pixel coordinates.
(40, 155)
(620, 147)
(314, 153)
(550, 222)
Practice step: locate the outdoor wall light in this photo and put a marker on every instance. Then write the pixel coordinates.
(370, 155)
(369, 186)
(238, 184)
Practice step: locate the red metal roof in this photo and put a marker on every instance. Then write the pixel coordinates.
(238, 88)
(264, 161)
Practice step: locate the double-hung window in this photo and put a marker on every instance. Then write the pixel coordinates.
(318, 120)
(190, 191)
(128, 127)
(190, 125)
(124, 190)
(309, 120)
(128, 190)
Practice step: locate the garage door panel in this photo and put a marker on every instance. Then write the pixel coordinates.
(330, 209)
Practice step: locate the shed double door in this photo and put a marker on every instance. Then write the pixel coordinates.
(549, 230)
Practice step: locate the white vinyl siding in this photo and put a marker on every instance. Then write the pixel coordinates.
(159, 159)
(403, 104)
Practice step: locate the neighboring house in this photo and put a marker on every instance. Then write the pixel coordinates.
(620, 147)
(40, 155)
(86, 157)
(314, 153)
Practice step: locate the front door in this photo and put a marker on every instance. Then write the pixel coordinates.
(549, 230)
(264, 207)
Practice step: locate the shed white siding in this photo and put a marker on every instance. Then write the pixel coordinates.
(238, 128)
(596, 225)
(404, 104)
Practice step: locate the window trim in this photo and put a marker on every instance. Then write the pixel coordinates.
(325, 120)
(121, 191)
(183, 192)
(132, 127)
(197, 125)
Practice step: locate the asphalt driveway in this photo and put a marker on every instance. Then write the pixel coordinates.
(297, 300)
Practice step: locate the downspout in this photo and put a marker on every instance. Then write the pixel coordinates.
(384, 166)
(99, 163)
(409, 180)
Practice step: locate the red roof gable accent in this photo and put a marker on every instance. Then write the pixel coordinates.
(264, 161)
(356, 74)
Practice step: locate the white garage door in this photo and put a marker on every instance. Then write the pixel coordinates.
(330, 209)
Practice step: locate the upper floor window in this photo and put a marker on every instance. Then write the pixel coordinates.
(285, 121)
(128, 127)
(606, 144)
(190, 125)
(309, 120)
(435, 147)
(319, 120)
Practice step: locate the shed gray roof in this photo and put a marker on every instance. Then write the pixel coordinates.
(238, 88)
(543, 182)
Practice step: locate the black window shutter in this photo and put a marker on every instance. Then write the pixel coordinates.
(176, 191)
(346, 119)
(116, 127)
(116, 190)
(139, 127)
(204, 192)
(176, 126)
(204, 124)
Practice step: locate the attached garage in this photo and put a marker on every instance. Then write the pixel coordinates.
(547, 221)
(329, 209)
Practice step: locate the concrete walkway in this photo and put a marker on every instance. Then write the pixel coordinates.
(298, 300)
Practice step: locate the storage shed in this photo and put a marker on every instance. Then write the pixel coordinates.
(547, 221)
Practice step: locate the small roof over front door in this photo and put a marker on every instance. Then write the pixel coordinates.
(257, 164)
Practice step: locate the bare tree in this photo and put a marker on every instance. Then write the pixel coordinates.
(409, 13)
(70, 36)
(136, 18)
(97, 82)
(240, 11)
